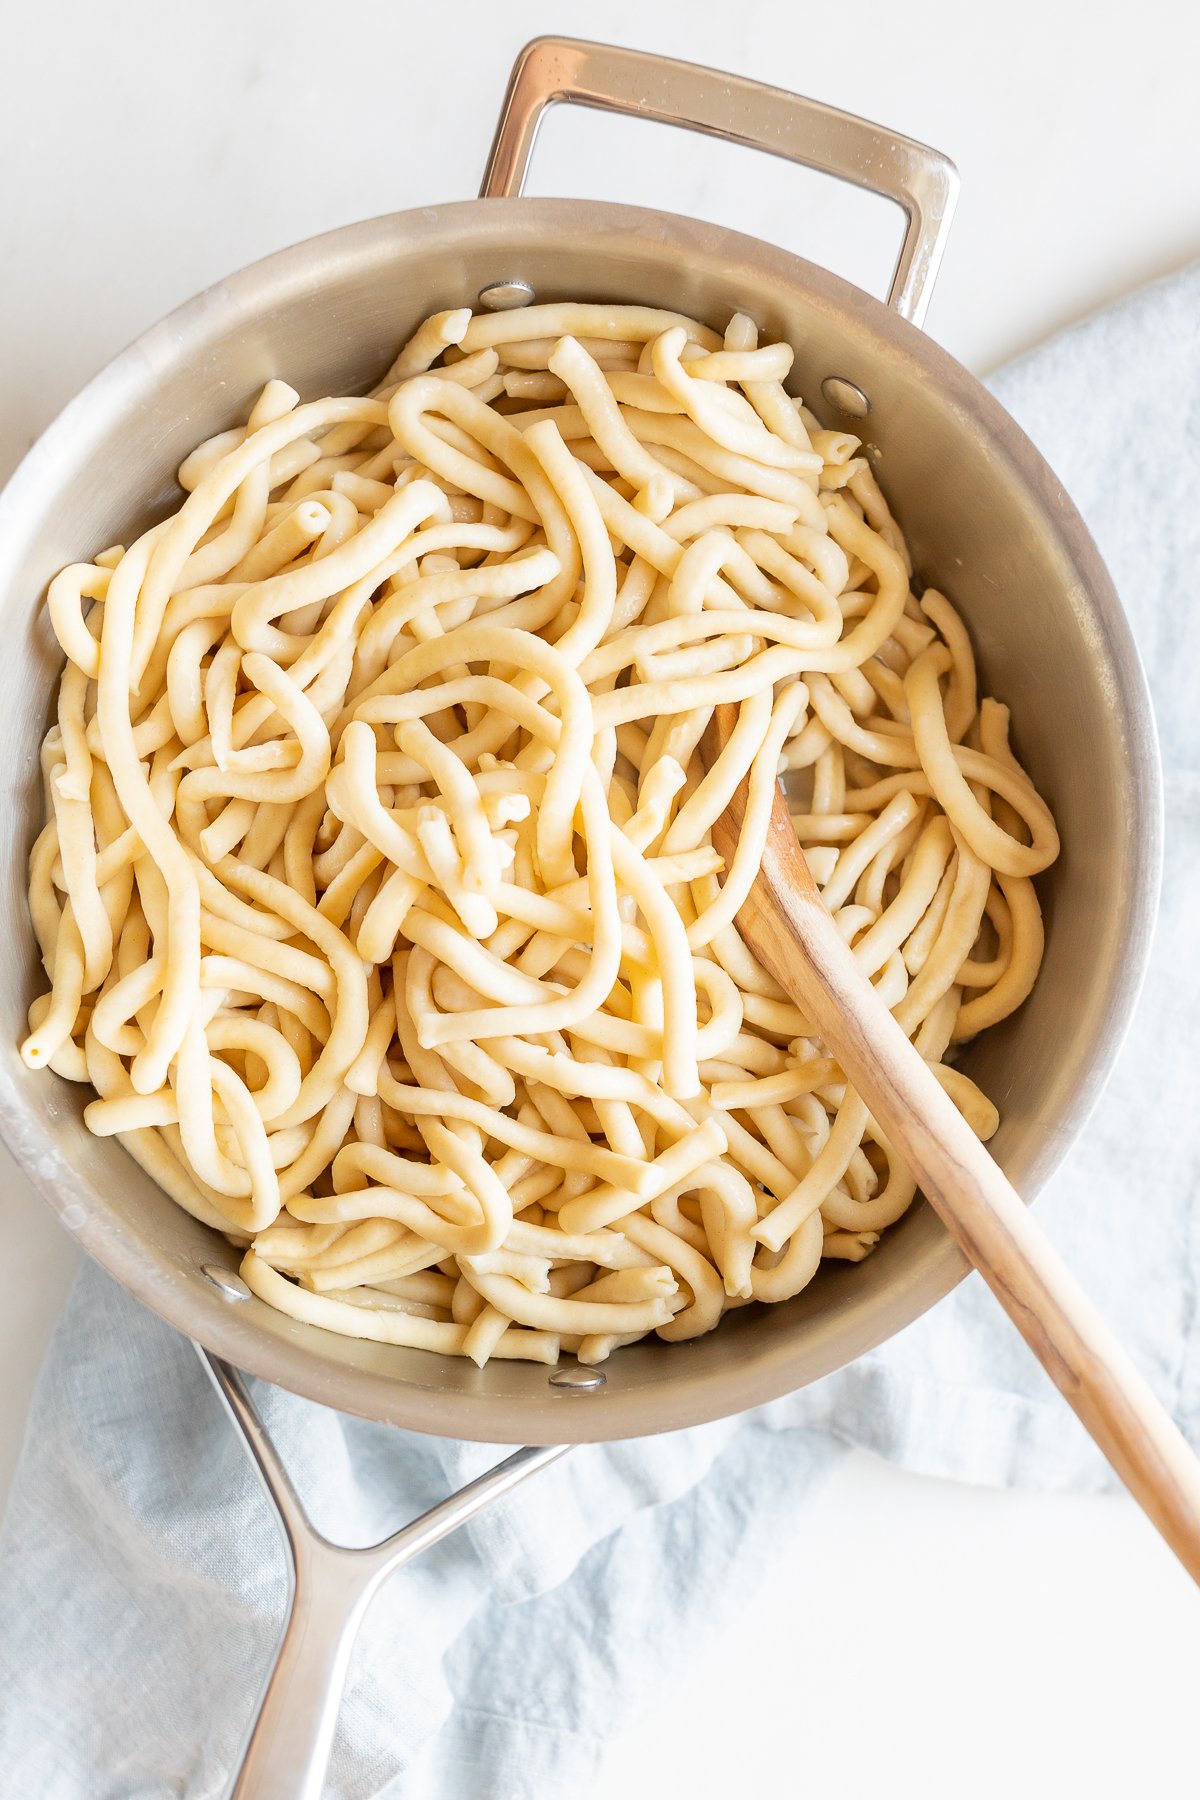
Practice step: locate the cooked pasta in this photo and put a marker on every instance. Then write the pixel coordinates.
(377, 894)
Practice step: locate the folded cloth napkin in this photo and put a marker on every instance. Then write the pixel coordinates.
(141, 1581)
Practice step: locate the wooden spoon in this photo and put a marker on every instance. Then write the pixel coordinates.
(787, 926)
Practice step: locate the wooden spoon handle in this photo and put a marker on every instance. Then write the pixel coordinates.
(795, 938)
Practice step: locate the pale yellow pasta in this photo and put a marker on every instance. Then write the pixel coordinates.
(377, 896)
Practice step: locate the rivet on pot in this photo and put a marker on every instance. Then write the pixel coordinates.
(504, 296)
(228, 1284)
(577, 1380)
(846, 396)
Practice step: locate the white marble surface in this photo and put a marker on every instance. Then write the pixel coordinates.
(150, 149)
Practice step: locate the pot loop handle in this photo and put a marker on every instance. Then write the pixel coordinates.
(922, 182)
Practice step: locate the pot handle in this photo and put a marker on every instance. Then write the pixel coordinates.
(919, 180)
(287, 1750)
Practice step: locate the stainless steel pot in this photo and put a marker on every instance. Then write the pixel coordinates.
(983, 514)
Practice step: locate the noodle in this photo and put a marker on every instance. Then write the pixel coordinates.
(377, 896)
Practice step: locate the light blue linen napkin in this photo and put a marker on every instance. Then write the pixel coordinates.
(141, 1582)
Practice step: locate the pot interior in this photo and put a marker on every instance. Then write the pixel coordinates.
(985, 520)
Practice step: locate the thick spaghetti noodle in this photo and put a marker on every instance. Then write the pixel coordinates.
(377, 893)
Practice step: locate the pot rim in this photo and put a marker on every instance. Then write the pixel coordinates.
(194, 1306)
